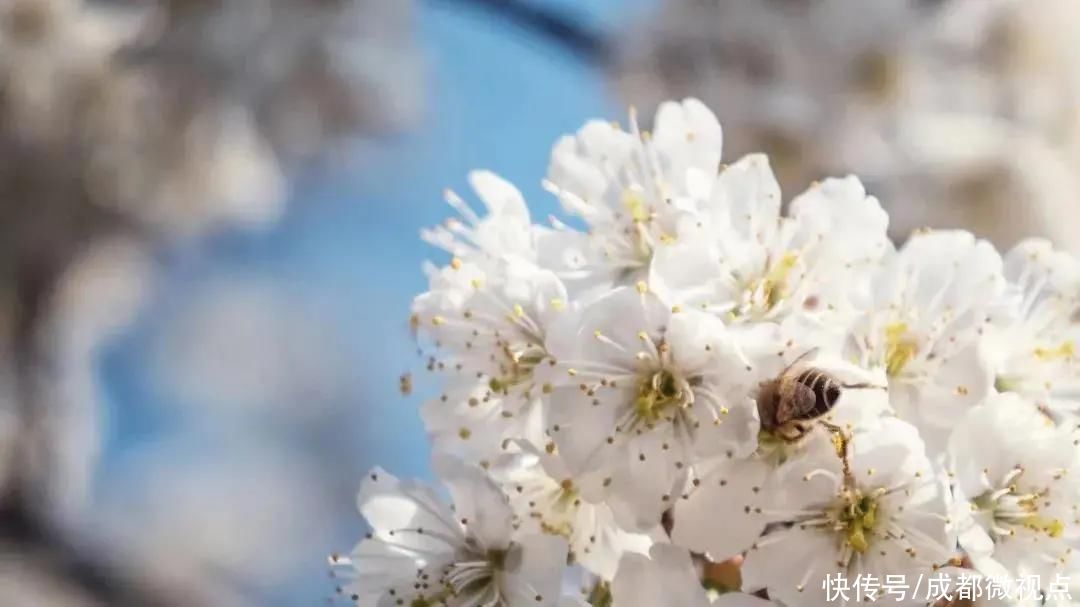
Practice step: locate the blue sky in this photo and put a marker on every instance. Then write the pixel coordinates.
(498, 97)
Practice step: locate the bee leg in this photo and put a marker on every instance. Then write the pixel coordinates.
(791, 432)
(842, 443)
(863, 386)
(831, 427)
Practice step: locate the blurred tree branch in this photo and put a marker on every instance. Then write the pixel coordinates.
(588, 44)
(149, 121)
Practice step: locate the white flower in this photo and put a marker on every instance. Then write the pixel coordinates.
(631, 187)
(740, 259)
(883, 512)
(1035, 354)
(927, 310)
(505, 232)
(668, 577)
(471, 421)
(702, 377)
(490, 328)
(742, 488)
(547, 497)
(639, 394)
(505, 235)
(1014, 482)
(422, 552)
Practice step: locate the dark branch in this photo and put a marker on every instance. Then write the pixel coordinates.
(95, 576)
(559, 28)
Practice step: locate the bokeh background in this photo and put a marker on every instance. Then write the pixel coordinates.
(209, 219)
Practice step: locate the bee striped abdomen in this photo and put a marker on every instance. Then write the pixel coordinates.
(826, 392)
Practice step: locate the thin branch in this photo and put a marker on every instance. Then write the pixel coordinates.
(559, 28)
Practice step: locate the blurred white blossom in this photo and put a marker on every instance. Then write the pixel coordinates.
(958, 113)
(125, 126)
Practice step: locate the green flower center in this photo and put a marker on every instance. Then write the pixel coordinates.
(517, 369)
(774, 449)
(658, 393)
(858, 518)
(600, 596)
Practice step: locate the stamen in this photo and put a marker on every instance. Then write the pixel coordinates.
(1066, 350)
(900, 348)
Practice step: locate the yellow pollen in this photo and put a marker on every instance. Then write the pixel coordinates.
(773, 285)
(1065, 350)
(633, 201)
(519, 311)
(476, 283)
(1052, 527)
(558, 304)
(859, 517)
(900, 348)
(464, 433)
(642, 287)
(839, 444)
(437, 320)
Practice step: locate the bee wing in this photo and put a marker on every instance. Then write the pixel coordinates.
(798, 360)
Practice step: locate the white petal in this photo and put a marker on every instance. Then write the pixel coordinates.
(537, 578)
(477, 500)
(584, 427)
(782, 566)
(652, 480)
(841, 211)
(685, 271)
(501, 197)
(390, 505)
(666, 577)
(746, 198)
(714, 518)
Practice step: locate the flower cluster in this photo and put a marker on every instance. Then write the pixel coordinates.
(950, 111)
(707, 379)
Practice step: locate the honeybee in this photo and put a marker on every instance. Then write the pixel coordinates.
(790, 404)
